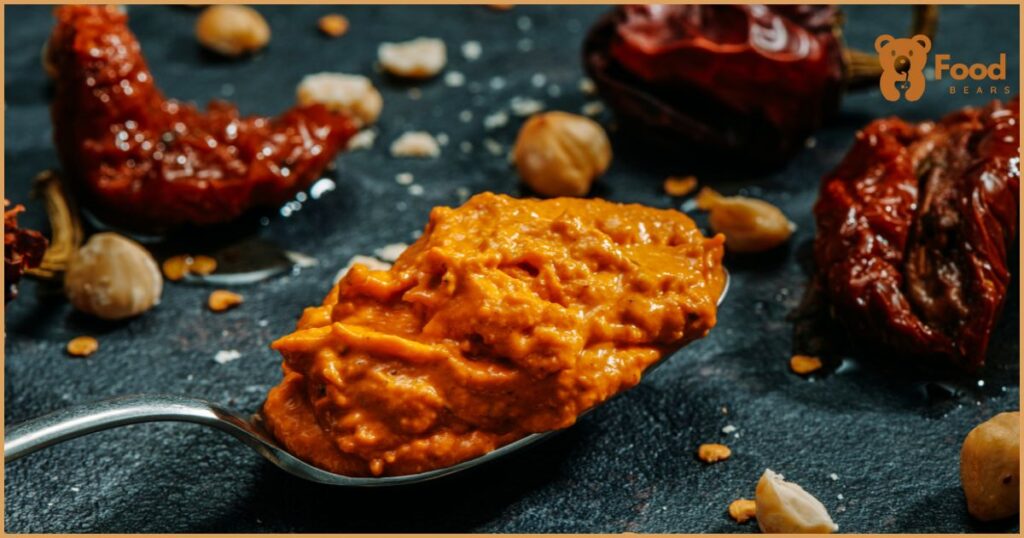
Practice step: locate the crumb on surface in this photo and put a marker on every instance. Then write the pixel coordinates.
(804, 364)
(422, 57)
(82, 346)
(471, 50)
(221, 300)
(713, 452)
(742, 510)
(419, 144)
(333, 25)
(679, 186)
(225, 356)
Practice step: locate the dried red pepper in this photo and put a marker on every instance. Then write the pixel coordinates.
(749, 78)
(149, 162)
(916, 230)
(23, 249)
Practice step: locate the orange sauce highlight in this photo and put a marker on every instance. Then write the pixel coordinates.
(507, 317)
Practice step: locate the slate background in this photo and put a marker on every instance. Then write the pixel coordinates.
(892, 439)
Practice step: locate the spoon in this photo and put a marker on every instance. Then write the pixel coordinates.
(79, 420)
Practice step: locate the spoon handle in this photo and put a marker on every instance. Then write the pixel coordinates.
(59, 426)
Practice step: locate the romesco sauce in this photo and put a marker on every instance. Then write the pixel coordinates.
(507, 317)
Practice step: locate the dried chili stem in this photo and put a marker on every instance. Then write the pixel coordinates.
(65, 226)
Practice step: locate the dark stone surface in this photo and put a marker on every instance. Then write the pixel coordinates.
(892, 439)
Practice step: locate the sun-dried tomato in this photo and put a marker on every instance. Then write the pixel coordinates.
(756, 79)
(148, 162)
(917, 229)
(23, 249)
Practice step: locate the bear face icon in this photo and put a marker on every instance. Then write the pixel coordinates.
(903, 62)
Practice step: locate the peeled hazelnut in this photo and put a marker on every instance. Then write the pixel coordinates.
(232, 30)
(354, 95)
(990, 468)
(784, 507)
(749, 225)
(561, 154)
(422, 57)
(113, 277)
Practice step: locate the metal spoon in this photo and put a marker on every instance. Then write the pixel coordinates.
(76, 421)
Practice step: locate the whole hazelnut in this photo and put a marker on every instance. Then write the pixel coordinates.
(232, 30)
(561, 154)
(990, 468)
(112, 277)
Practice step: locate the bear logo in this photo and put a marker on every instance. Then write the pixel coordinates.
(903, 62)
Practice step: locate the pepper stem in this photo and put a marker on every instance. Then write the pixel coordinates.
(65, 226)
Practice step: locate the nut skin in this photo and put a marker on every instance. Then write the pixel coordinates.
(561, 154)
(232, 30)
(113, 277)
(785, 508)
(990, 468)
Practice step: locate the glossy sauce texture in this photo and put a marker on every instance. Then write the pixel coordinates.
(917, 229)
(507, 317)
(144, 161)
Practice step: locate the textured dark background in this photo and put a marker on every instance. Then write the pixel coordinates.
(891, 439)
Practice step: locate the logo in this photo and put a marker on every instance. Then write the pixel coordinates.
(903, 61)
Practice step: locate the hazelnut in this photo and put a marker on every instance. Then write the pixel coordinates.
(232, 30)
(112, 277)
(560, 154)
(353, 95)
(990, 468)
(422, 57)
(748, 224)
(784, 507)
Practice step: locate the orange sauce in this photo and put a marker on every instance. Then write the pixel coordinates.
(507, 317)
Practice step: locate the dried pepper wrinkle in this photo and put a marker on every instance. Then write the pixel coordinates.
(917, 229)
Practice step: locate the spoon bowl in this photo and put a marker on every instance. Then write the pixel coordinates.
(76, 421)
